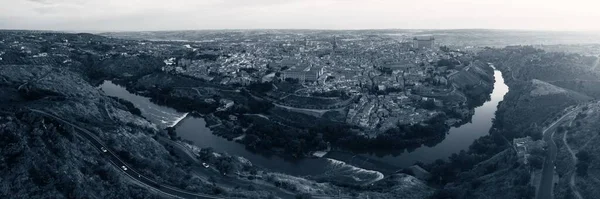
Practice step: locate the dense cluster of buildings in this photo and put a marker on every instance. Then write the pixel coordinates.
(356, 64)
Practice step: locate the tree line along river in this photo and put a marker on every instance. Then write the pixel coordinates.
(339, 165)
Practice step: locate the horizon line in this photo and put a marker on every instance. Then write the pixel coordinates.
(307, 29)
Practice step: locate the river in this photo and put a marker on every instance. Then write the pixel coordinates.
(194, 129)
(457, 138)
(334, 166)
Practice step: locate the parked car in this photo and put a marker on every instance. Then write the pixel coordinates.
(103, 149)
(205, 165)
(124, 168)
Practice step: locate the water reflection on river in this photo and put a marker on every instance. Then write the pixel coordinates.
(457, 139)
(195, 130)
(159, 115)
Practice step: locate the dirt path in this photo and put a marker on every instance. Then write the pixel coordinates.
(588, 142)
(572, 184)
(545, 191)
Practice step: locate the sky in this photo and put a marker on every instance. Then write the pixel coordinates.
(150, 15)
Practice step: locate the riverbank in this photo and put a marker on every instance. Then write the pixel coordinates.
(456, 139)
(231, 123)
(271, 141)
(189, 127)
(197, 131)
(231, 110)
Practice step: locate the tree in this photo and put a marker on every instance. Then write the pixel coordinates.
(427, 104)
(476, 183)
(172, 133)
(536, 161)
(582, 168)
(445, 48)
(491, 168)
(522, 179)
(261, 87)
(444, 194)
(206, 154)
(583, 156)
(225, 165)
(537, 151)
(580, 116)
(536, 135)
(447, 62)
(526, 191)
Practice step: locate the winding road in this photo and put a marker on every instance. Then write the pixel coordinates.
(546, 184)
(150, 184)
(135, 176)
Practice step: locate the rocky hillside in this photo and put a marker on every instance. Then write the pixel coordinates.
(499, 177)
(489, 169)
(44, 157)
(534, 77)
(45, 116)
(577, 161)
(534, 103)
(526, 63)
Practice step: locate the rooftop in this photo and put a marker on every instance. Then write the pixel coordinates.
(303, 69)
(424, 38)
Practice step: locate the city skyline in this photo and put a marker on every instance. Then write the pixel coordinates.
(135, 15)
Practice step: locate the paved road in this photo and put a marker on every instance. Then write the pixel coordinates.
(149, 183)
(130, 172)
(546, 184)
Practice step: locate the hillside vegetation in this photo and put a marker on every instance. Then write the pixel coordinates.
(578, 156)
(489, 169)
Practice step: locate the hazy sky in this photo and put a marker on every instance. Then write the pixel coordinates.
(107, 15)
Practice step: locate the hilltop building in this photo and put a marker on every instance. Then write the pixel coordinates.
(310, 73)
(521, 145)
(524, 146)
(423, 42)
